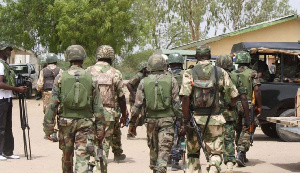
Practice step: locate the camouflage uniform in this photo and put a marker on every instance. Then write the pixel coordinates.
(112, 117)
(46, 91)
(214, 137)
(78, 131)
(160, 125)
(134, 82)
(177, 73)
(225, 62)
(242, 138)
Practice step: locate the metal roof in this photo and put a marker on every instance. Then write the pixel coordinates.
(237, 32)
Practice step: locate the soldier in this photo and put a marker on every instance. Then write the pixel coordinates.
(132, 87)
(175, 62)
(7, 85)
(110, 83)
(80, 106)
(225, 62)
(160, 94)
(45, 83)
(247, 82)
(205, 84)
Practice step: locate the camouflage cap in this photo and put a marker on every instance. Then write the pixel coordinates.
(175, 58)
(203, 50)
(105, 52)
(75, 52)
(242, 57)
(225, 62)
(142, 65)
(4, 45)
(51, 58)
(156, 62)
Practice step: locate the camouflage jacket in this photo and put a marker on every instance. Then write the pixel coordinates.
(225, 87)
(102, 67)
(140, 99)
(52, 108)
(40, 82)
(134, 81)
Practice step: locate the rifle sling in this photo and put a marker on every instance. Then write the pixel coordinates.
(213, 103)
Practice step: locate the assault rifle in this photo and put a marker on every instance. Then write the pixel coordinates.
(197, 130)
(183, 151)
(252, 119)
(99, 156)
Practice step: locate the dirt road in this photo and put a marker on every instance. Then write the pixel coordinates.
(267, 154)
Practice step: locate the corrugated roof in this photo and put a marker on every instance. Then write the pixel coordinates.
(237, 32)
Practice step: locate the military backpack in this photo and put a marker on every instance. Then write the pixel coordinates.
(158, 94)
(49, 76)
(243, 81)
(76, 95)
(205, 90)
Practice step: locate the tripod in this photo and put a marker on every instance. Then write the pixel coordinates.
(24, 124)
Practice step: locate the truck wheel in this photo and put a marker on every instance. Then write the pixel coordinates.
(286, 135)
(269, 130)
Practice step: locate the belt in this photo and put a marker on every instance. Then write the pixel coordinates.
(8, 100)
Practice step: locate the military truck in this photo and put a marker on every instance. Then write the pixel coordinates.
(279, 89)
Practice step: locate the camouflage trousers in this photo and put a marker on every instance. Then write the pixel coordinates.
(160, 133)
(242, 138)
(46, 96)
(116, 143)
(214, 143)
(76, 134)
(176, 152)
(107, 141)
(229, 137)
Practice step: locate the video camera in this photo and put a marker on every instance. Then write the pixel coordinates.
(21, 80)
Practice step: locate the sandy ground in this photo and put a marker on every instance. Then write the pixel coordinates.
(267, 154)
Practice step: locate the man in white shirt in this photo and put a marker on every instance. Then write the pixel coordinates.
(7, 85)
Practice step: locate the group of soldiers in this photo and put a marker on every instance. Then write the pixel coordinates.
(89, 107)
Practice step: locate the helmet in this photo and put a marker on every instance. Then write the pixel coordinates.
(142, 65)
(156, 62)
(75, 52)
(105, 52)
(203, 50)
(175, 58)
(51, 58)
(4, 45)
(242, 57)
(225, 62)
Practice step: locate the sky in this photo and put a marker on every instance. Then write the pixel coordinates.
(295, 4)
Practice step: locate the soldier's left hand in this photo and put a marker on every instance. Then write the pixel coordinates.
(259, 112)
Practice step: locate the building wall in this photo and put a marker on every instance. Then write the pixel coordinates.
(284, 32)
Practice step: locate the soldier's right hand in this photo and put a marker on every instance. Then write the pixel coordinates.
(22, 89)
(48, 136)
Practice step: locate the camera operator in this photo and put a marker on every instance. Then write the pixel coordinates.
(7, 85)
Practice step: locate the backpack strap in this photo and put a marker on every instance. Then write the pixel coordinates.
(212, 106)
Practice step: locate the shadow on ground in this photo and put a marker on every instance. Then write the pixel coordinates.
(127, 160)
(292, 167)
(262, 137)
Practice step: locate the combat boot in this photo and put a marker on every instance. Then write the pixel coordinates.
(229, 167)
(54, 137)
(175, 165)
(119, 157)
(240, 159)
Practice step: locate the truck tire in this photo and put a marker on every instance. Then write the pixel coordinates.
(286, 135)
(270, 130)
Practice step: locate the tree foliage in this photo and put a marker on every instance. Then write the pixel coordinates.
(56, 24)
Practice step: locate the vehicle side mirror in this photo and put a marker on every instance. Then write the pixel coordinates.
(32, 72)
